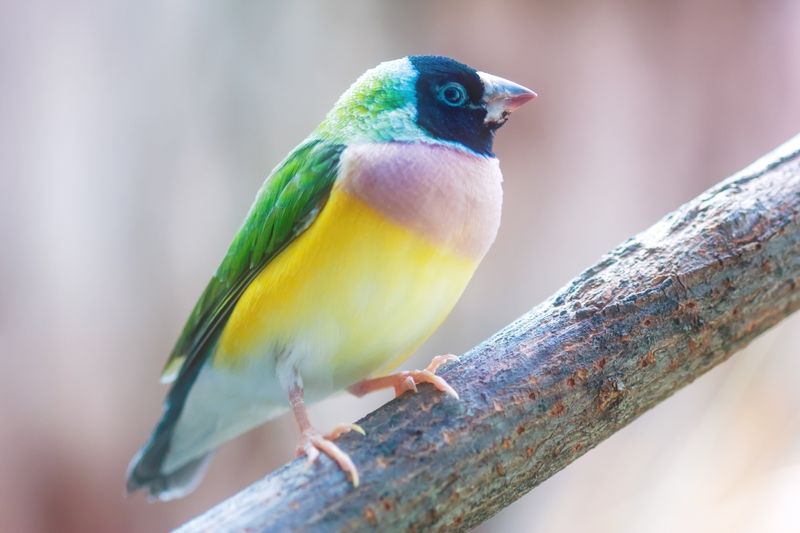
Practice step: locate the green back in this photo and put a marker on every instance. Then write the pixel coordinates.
(285, 206)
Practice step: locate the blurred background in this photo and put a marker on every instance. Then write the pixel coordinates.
(134, 136)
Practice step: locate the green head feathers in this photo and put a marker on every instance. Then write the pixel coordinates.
(423, 98)
(380, 106)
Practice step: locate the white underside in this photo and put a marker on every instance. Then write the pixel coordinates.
(206, 422)
(224, 403)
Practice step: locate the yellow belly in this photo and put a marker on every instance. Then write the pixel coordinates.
(352, 296)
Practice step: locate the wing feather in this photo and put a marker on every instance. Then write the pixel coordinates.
(284, 207)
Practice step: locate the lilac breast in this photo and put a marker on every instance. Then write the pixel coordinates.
(444, 194)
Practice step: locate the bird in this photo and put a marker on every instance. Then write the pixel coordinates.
(356, 248)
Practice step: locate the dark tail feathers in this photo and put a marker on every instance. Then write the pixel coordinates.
(146, 468)
(145, 472)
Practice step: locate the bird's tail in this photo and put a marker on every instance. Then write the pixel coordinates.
(164, 487)
(146, 470)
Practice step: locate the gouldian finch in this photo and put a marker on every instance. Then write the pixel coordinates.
(357, 247)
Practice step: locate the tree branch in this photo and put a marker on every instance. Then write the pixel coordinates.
(654, 314)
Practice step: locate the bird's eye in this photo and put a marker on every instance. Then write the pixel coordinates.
(453, 94)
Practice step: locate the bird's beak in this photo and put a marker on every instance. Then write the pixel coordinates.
(501, 97)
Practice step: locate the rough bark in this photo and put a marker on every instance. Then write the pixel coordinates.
(651, 316)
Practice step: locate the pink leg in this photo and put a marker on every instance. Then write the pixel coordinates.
(408, 380)
(312, 441)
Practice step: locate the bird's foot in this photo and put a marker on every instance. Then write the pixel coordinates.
(313, 442)
(408, 380)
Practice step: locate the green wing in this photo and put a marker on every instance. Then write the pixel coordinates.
(285, 206)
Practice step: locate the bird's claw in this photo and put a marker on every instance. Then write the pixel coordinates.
(439, 360)
(341, 429)
(409, 379)
(314, 442)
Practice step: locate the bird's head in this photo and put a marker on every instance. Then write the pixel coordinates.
(424, 98)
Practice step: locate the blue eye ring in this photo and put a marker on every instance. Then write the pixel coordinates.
(452, 94)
